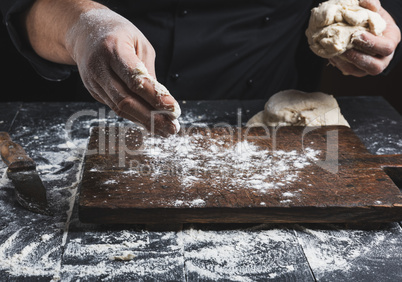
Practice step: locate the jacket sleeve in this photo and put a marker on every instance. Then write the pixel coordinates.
(394, 8)
(11, 9)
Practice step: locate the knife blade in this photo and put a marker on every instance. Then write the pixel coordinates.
(29, 189)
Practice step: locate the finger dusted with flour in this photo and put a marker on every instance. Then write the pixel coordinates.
(164, 99)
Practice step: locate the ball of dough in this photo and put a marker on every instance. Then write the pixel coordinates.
(335, 24)
(293, 107)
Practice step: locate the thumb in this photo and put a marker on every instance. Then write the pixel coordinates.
(373, 5)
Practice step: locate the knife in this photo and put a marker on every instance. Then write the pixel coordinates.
(29, 189)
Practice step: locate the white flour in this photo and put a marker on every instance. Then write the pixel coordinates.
(336, 253)
(34, 248)
(203, 254)
(244, 165)
(379, 142)
(21, 259)
(193, 203)
(190, 119)
(239, 255)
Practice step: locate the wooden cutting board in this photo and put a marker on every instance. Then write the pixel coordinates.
(231, 175)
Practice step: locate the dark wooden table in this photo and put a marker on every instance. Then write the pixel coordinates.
(36, 248)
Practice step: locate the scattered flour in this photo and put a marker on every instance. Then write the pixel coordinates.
(288, 194)
(193, 158)
(111, 181)
(380, 142)
(46, 237)
(190, 119)
(195, 254)
(197, 203)
(335, 253)
(20, 258)
(31, 245)
(193, 203)
(239, 255)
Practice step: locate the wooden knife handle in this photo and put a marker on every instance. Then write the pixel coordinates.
(13, 155)
(4, 137)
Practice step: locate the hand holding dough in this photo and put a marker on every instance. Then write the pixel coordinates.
(293, 107)
(335, 24)
(372, 53)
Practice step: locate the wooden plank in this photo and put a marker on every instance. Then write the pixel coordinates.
(113, 191)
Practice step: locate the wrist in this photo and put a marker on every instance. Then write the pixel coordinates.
(46, 24)
(95, 29)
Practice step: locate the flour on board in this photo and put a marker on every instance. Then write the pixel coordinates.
(242, 165)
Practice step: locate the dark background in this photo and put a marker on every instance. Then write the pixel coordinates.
(21, 83)
(389, 86)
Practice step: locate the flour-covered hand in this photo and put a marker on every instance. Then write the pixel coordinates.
(116, 64)
(372, 53)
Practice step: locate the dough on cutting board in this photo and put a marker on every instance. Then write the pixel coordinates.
(293, 107)
(335, 24)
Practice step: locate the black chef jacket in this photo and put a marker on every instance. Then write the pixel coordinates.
(213, 49)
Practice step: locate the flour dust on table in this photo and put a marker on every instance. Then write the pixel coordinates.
(335, 253)
(32, 244)
(191, 254)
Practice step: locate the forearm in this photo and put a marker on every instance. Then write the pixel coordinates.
(47, 23)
